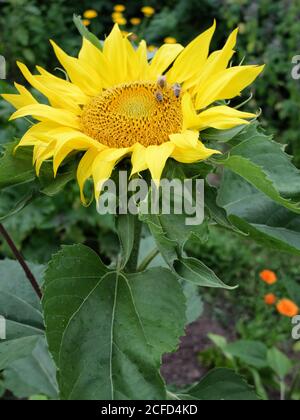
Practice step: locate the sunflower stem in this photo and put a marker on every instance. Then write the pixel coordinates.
(148, 259)
(21, 261)
(131, 266)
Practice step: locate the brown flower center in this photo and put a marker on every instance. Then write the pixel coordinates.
(139, 112)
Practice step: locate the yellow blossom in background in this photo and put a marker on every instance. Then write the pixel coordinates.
(120, 21)
(170, 40)
(116, 104)
(86, 22)
(117, 15)
(119, 8)
(90, 14)
(148, 11)
(135, 21)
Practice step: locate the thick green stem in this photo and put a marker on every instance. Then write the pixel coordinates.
(147, 260)
(131, 266)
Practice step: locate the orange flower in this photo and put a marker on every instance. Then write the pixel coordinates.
(268, 276)
(287, 308)
(270, 299)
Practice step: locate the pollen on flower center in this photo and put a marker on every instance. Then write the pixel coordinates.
(143, 112)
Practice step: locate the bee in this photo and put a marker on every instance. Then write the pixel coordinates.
(177, 89)
(162, 82)
(159, 96)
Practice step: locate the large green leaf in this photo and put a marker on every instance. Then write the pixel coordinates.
(32, 374)
(12, 350)
(107, 330)
(18, 302)
(264, 164)
(23, 354)
(254, 353)
(257, 215)
(221, 384)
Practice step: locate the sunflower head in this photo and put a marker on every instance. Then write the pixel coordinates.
(116, 103)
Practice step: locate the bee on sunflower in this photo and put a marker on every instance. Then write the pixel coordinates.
(116, 104)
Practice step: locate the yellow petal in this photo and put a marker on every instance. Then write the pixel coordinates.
(70, 141)
(92, 56)
(23, 99)
(43, 155)
(184, 153)
(187, 139)
(156, 158)
(84, 170)
(164, 58)
(138, 159)
(48, 113)
(55, 98)
(32, 135)
(142, 57)
(192, 58)
(104, 165)
(114, 50)
(81, 74)
(216, 62)
(221, 117)
(64, 87)
(189, 114)
(226, 84)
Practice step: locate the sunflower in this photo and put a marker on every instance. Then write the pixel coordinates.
(116, 104)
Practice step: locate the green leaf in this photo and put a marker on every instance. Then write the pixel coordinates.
(15, 168)
(171, 233)
(113, 327)
(257, 215)
(279, 362)
(86, 33)
(33, 374)
(12, 350)
(197, 272)
(264, 164)
(222, 384)
(253, 353)
(194, 302)
(18, 302)
(126, 228)
(217, 213)
(15, 199)
(50, 185)
(222, 136)
(24, 355)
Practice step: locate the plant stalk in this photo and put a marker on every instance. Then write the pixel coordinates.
(21, 261)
